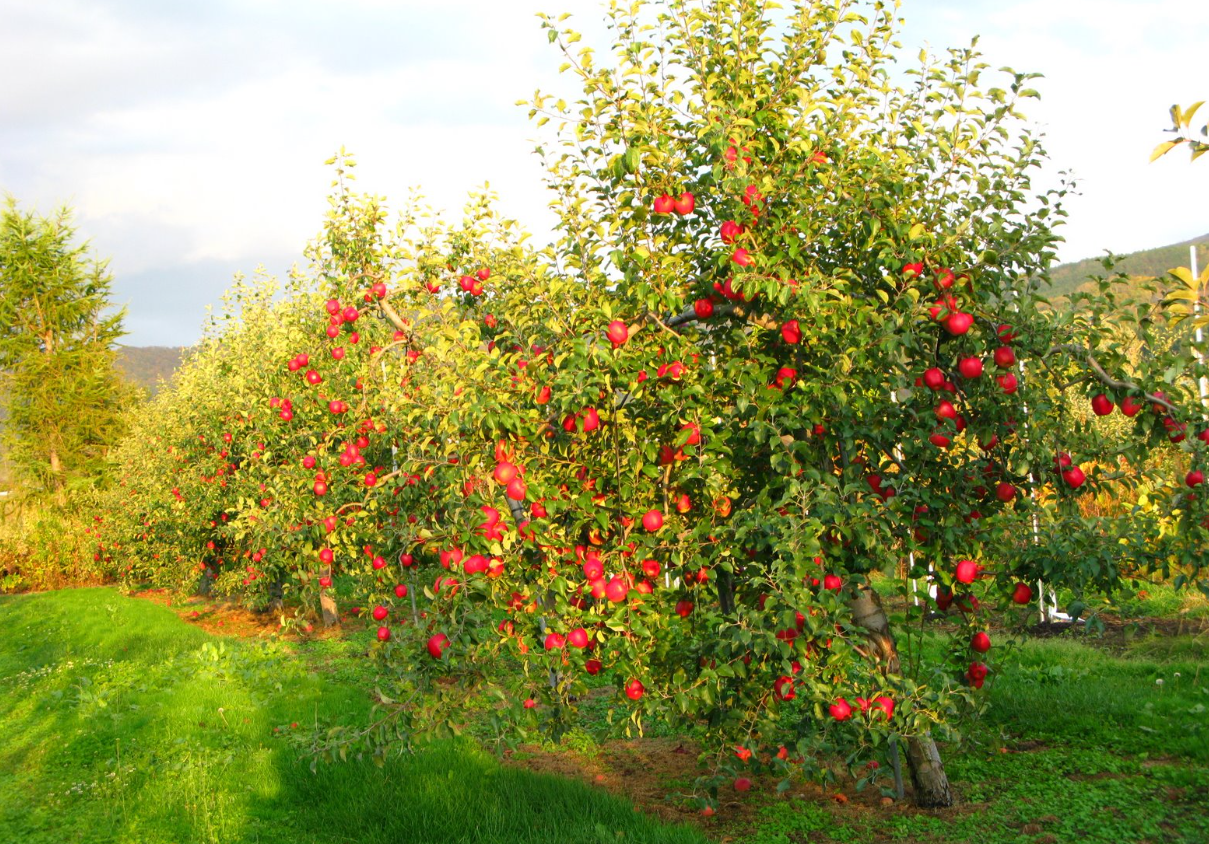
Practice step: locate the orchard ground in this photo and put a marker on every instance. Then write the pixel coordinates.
(171, 720)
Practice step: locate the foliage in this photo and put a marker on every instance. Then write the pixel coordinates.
(1181, 126)
(668, 451)
(62, 395)
(45, 546)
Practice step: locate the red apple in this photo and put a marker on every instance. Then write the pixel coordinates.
(970, 367)
(380, 612)
(958, 323)
(840, 710)
(1130, 407)
(1194, 478)
(967, 571)
(578, 638)
(634, 689)
(1101, 405)
(617, 333)
(1004, 357)
(703, 308)
(980, 642)
(791, 332)
(685, 204)
(1074, 477)
(742, 784)
(1005, 491)
(437, 645)
(742, 257)
(652, 521)
(664, 204)
(383, 634)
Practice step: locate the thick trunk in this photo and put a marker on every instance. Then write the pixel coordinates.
(928, 778)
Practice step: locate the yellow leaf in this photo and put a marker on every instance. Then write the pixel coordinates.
(918, 230)
(1162, 149)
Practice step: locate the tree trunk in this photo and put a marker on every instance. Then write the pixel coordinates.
(327, 604)
(928, 778)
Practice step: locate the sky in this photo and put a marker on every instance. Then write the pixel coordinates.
(189, 137)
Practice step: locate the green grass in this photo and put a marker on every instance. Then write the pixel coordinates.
(124, 724)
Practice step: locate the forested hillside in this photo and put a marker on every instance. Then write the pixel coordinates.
(1148, 263)
(147, 366)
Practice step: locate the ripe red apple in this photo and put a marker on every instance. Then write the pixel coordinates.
(1022, 594)
(1194, 478)
(504, 472)
(1008, 383)
(1130, 406)
(554, 642)
(1004, 357)
(791, 332)
(634, 689)
(940, 440)
(380, 612)
(741, 257)
(1101, 405)
(401, 591)
(980, 642)
(703, 308)
(729, 231)
(970, 367)
(578, 638)
(516, 489)
(664, 204)
(967, 571)
(934, 379)
(782, 687)
(617, 589)
(650, 568)
(685, 204)
(1004, 491)
(833, 583)
(437, 645)
(742, 784)
(383, 634)
(885, 704)
(958, 323)
(913, 270)
(1074, 477)
(652, 520)
(617, 333)
(325, 581)
(945, 410)
(840, 710)
(593, 666)
(684, 608)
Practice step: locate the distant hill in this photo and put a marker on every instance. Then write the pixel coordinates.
(149, 366)
(1149, 263)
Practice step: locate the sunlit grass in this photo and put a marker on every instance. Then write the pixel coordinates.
(124, 724)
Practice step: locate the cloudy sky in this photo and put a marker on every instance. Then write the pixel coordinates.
(189, 137)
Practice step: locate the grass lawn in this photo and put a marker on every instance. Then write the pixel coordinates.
(125, 723)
